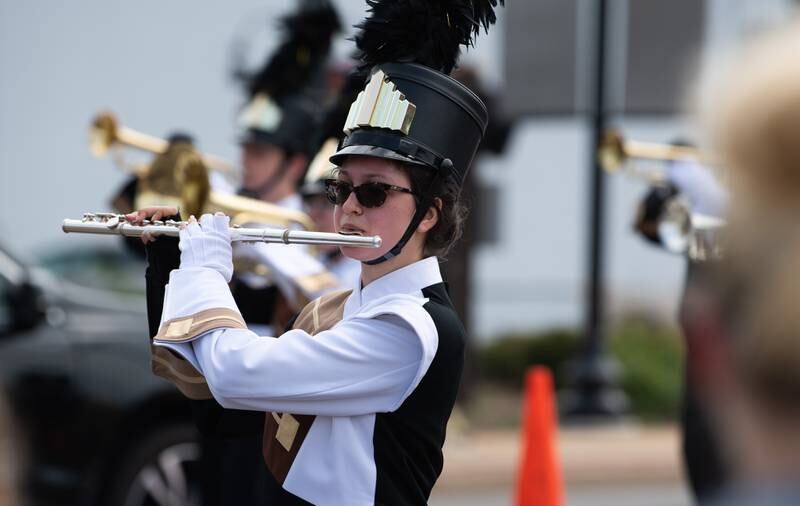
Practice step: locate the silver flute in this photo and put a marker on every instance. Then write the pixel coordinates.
(118, 224)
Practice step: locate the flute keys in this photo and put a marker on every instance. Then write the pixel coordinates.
(112, 222)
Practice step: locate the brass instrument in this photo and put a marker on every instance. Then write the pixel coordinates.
(117, 224)
(179, 177)
(680, 229)
(106, 132)
(696, 235)
(615, 152)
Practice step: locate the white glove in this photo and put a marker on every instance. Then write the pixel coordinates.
(207, 244)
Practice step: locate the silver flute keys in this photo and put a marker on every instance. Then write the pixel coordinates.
(118, 224)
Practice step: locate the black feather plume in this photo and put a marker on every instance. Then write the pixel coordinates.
(428, 32)
(307, 37)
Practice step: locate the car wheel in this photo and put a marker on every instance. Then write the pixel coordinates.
(160, 470)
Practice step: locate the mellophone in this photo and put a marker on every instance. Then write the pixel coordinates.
(681, 229)
(118, 224)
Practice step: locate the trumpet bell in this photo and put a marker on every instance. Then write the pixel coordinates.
(103, 133)
(179, 177)
(615, 153)
(692, 234)
(611, 153)
(675, 226)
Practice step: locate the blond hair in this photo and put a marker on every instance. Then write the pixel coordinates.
(753, 123)
(753, 119)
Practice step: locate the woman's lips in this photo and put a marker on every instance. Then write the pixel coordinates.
(347, 230)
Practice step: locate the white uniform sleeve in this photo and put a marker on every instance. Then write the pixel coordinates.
(706, 195)
(359, 366)
(191, 291)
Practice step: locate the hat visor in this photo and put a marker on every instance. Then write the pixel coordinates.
(260, 137)
(378, 152)
(311, 189)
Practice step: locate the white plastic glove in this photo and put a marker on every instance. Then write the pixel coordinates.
(207, 244)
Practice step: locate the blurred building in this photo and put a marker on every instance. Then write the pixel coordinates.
(164, 66)
(533, 275)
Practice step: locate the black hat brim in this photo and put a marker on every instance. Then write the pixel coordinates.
(260, 137)
(375, 151)
(311, 189)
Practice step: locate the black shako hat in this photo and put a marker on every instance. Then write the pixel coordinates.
(283, 96)
(411, 110)
(411, 113)
(282, 123)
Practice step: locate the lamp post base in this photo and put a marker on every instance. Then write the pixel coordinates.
(594, 394)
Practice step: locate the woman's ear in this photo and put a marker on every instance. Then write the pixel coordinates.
(431, 217)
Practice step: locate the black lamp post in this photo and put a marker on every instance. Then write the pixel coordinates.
(593, 374)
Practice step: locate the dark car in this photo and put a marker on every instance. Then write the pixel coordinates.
(95, 427)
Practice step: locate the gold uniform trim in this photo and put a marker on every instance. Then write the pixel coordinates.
(287, 429)
(180, 372)
(196, 379)
(323, 313)
(317, 282)
(175, 368)
(380, 105)
(181, 330)
(284, 433)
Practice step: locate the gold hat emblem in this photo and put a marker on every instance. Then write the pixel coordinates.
(380, 105)
(262, 113)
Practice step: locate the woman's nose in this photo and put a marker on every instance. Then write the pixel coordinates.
(352, 205)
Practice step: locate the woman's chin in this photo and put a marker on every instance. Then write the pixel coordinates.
(360, 254)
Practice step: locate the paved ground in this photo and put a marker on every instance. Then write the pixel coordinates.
(601, 466)
(615, 495)
(620, 465)
(596, 455)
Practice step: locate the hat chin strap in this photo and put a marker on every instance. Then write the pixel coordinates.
(422, 208)
(426, 200)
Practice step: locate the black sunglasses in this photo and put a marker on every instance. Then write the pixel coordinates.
(372, 194)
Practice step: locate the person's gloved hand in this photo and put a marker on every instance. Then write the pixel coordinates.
(207, 244)
(651, 209)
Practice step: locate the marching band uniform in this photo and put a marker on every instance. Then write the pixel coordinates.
(704, 465)
(358, 393)
(352, 419)
(284, 99)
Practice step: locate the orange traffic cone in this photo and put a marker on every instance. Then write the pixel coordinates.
(539, 481)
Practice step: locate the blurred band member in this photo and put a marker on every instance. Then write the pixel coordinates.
(697, 186)
(744, 318)
(279, 124)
